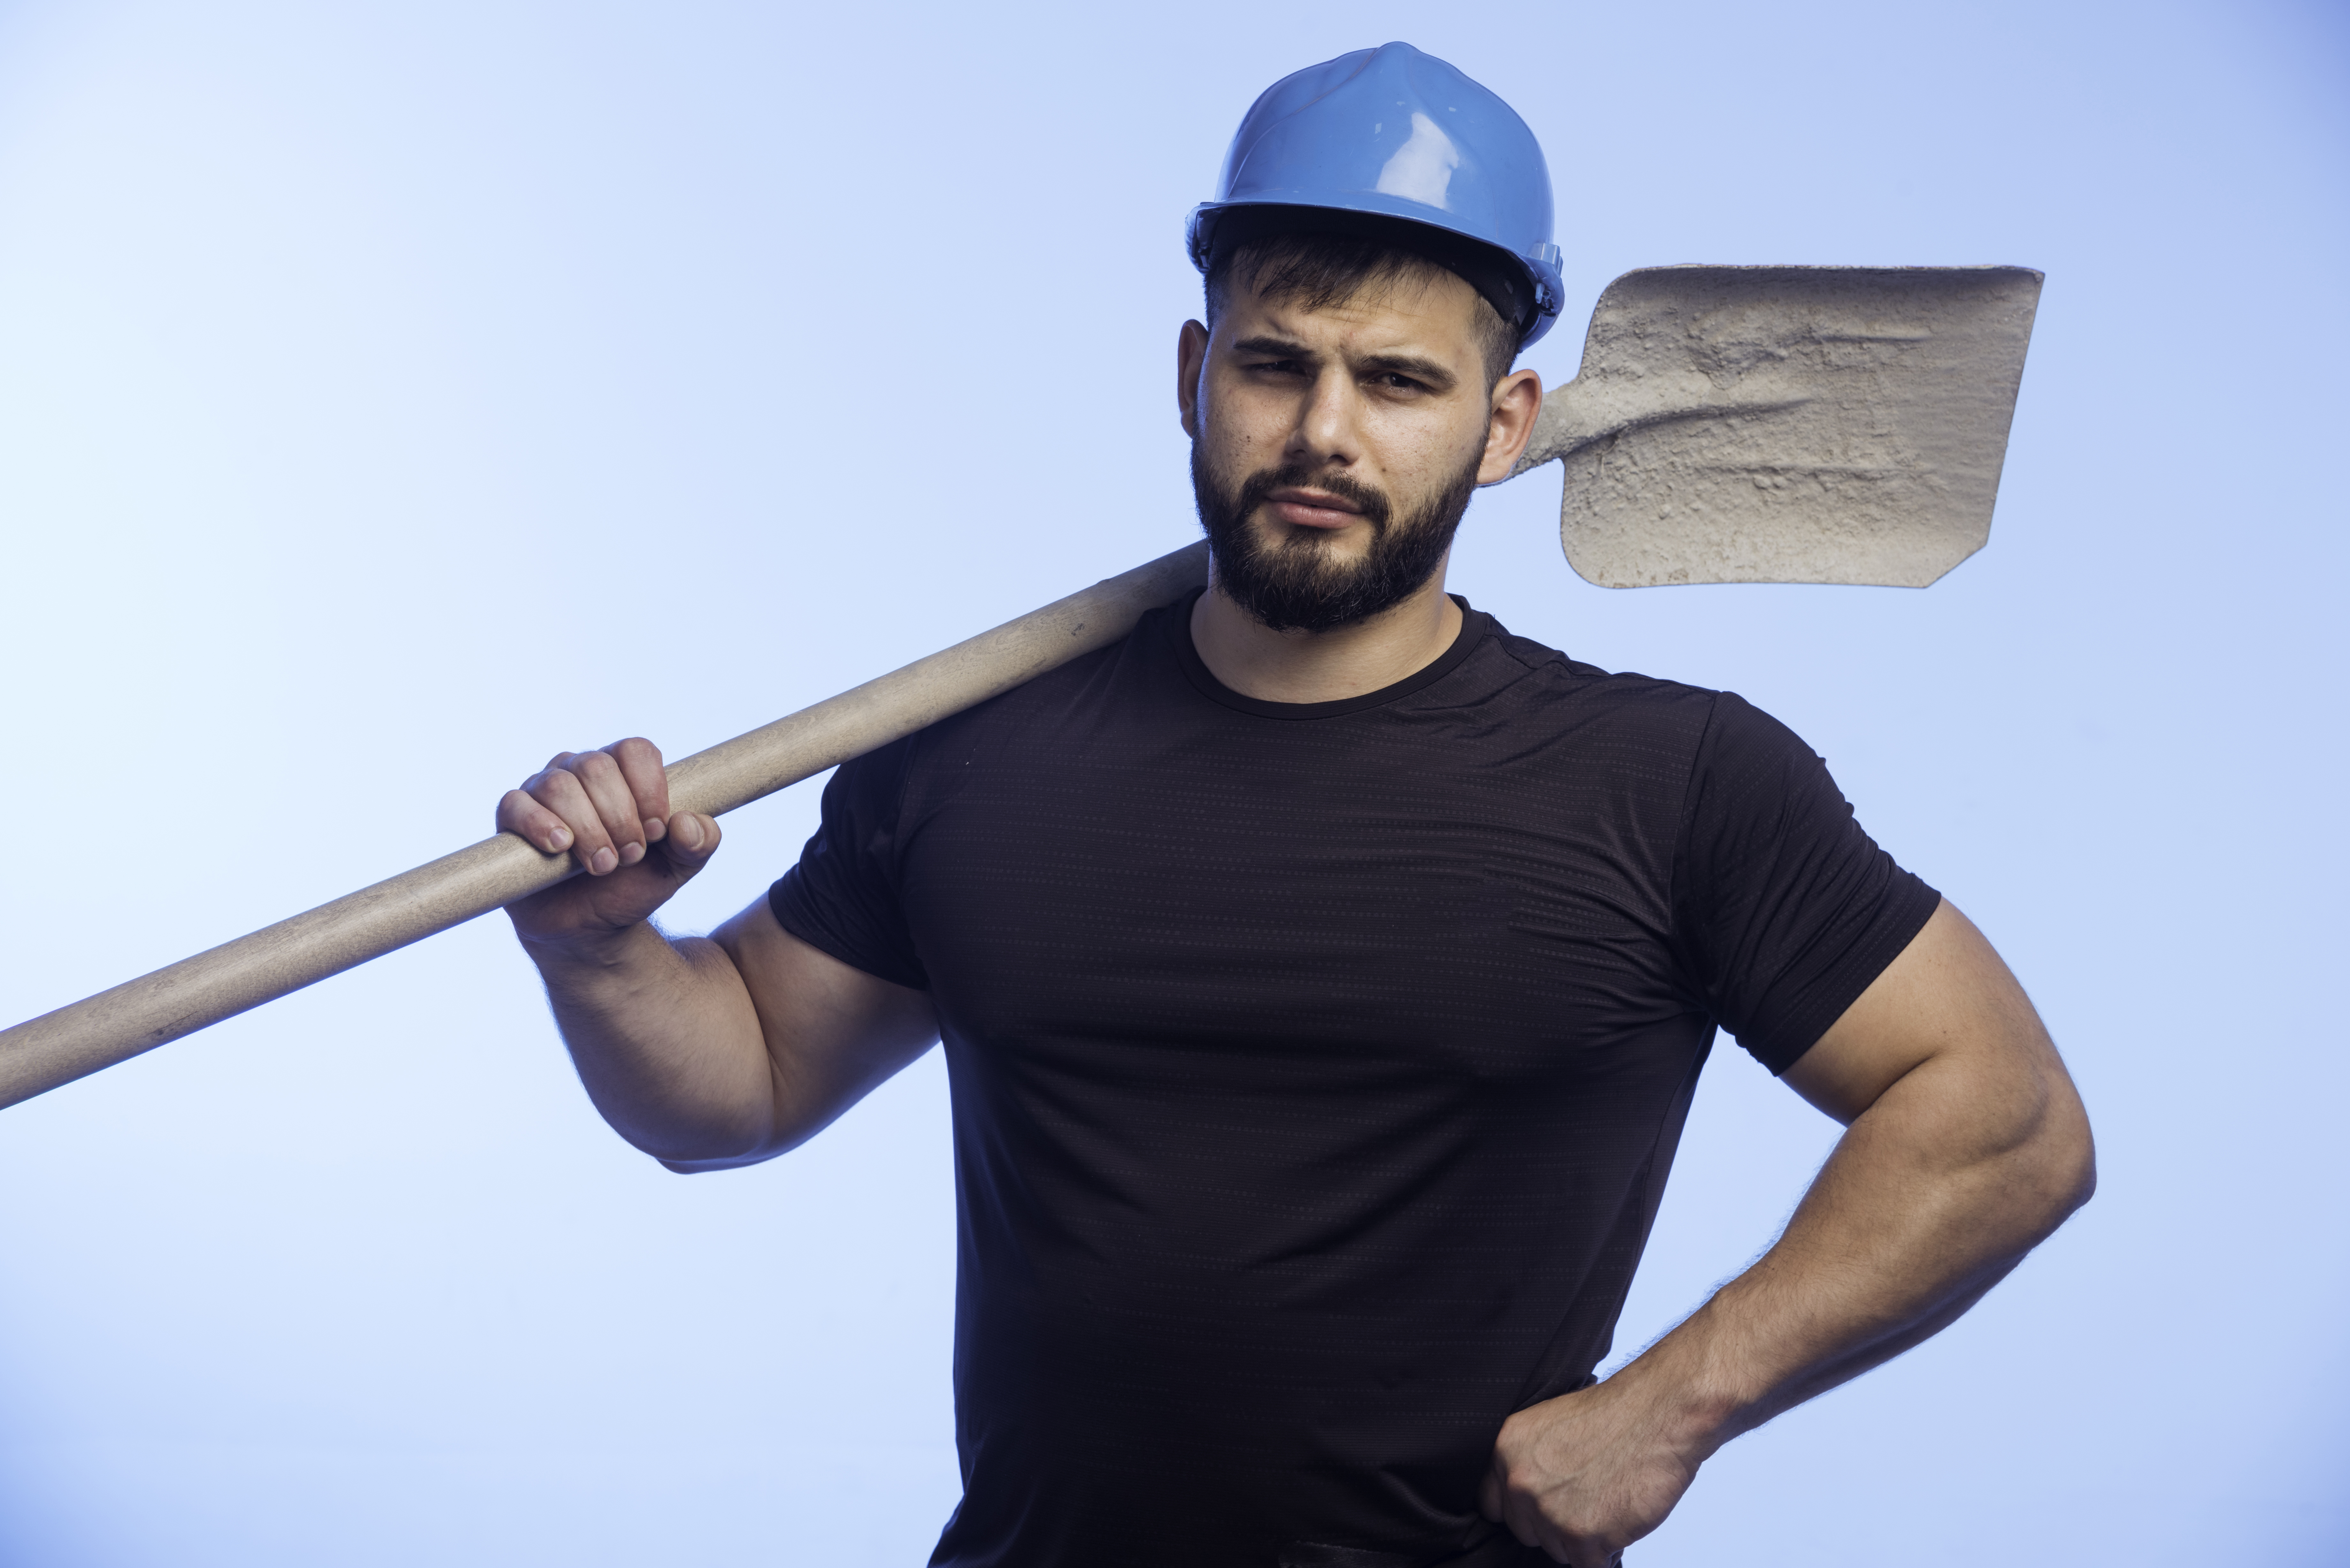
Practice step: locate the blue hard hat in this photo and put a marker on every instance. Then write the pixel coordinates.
(1393, 134)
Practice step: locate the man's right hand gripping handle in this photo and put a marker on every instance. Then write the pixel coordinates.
(665, 1035)
(610, 809)
(703, 1052)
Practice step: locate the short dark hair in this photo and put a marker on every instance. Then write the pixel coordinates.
(1317, 270)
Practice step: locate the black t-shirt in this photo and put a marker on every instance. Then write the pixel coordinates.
(1316, 1067)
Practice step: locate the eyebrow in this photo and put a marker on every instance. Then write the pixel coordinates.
(1411, 365)
(1274, 348)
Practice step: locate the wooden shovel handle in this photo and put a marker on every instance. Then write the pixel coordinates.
(140, 1014)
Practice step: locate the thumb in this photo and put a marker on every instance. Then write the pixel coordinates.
(691, 841)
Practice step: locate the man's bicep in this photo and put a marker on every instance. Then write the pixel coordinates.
(833, 1032)
(1946, 992)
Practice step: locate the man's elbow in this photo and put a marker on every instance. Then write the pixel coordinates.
(732, 1149)
(696, 1165)
(2065, 1171)
(717, 1144)
(2084, 1170)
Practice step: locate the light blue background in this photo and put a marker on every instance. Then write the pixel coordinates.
(391, 395)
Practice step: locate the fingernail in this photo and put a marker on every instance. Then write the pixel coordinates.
(691, 834)
(559, 839)
(602, 861)
(631, 853)
(655, 830)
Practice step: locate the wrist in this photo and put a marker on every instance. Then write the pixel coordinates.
(596, 950)
(1698, 1392)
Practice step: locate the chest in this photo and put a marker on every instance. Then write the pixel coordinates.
(1412, 898)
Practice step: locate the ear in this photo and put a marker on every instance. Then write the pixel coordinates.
(1517, 399)
(1190, 357)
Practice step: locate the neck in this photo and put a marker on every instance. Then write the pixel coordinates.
(1323, 666)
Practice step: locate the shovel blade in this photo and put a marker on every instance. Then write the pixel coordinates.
(1788, 424)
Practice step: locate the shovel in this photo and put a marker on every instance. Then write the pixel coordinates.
(1728, 425)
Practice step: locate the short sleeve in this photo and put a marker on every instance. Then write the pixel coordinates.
(1786, 909)
(842, 897)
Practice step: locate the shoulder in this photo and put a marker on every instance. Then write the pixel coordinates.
(1662, 732)
(1542, 685)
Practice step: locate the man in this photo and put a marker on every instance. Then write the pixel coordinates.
(1325, 973)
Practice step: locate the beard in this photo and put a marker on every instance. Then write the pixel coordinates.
(1296, 583)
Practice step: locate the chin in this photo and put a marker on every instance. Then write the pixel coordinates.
(1347, 544)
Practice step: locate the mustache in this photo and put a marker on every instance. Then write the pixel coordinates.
(1375, 508)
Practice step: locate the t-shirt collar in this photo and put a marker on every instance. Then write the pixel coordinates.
(1473, 626)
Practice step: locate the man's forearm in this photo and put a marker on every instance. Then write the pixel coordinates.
(1930, 1197)
(706, 1054)
(1965, 1145)
(666, 1040)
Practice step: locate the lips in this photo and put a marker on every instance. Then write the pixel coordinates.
(1309, 498)
(1310, 508)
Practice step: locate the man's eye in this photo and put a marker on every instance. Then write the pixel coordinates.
(1397, 382)
(1279, 367)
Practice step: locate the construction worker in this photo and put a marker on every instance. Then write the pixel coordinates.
(1324, 971)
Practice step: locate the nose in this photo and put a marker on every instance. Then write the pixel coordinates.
(1326, 434)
